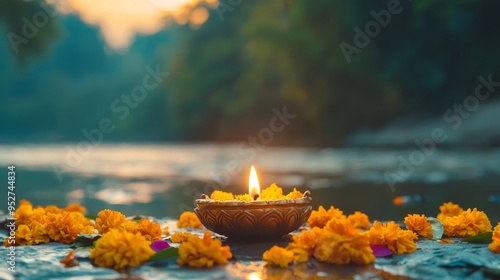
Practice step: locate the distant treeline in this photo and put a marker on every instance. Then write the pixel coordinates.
(337, 66)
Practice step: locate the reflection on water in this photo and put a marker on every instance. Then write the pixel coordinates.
(120, 20)
(163, 180)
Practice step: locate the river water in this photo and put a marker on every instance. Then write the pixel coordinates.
(163, 180)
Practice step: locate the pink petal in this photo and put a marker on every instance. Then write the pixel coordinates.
(381, 251)
(159, 245)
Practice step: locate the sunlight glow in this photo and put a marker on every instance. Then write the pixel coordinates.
(121, 20)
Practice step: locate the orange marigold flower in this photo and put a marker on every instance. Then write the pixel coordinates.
(495, 244)
(295, 194)
(22, 213)
(206, 252)
(53, 209)
(150, 230)
(321, 217)
(243, 197)
(278, 256)
(399, 241)
(121, 250)
(75, 207)
(108, 219)
(359, 220)
(65, 227)
(24, 236)
(341, 243)
(180, 237)
(468, 223)
(130, 226)
(449, 209)
(220, 195)
(419, 224)
(189, 220)
(25, 202)
(303, 245)
(272, 192)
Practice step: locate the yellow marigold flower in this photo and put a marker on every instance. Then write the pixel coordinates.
(150, 230)
(295, 194)
(359, 220)
(278, 256)
(449, 209)
(22, 213)
(419, 224)
(303, 245)
(24, 236)
(468, 223)
(130, 226)
(189, 220)
(341, 243)
(399, 241)
(25, 202)
(272, 192)
(75, 207)
(180, 237)
(321, 217)
(206, 252)
(65, 227)
(244, 197)
(495, 244)
(53, 209)
(107, 220)
(121, 250)
(220, 195)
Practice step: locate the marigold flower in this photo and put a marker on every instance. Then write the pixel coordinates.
(130, 226)
(321, 217)
(25, 202)
(468, 223)
(220, 195)
(22, 213)
(272, 192)
(75, 207)
(341, 243)
(121, 250)
(150, 230)
(108, 219)
(243, 197)
(295, 194)
(189, 220)
(419, 224)
(495, 244)
(399, 241)
(65, 227)
(303, 245)
(206, 252)
(359, 220)
(449, 209)
(278, 256)
(53, 209)
(180, 237)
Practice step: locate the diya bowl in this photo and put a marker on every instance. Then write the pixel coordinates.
(254, 220)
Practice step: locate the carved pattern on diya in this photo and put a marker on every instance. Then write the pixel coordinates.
(254, 220)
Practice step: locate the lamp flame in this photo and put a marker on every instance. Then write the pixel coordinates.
(253, 184)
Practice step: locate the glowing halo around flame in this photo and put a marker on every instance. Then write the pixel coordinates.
(119, 21)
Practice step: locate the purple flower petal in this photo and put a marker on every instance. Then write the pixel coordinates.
(159, 245)
(381, 251)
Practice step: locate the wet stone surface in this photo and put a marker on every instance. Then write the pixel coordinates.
(432, 260)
